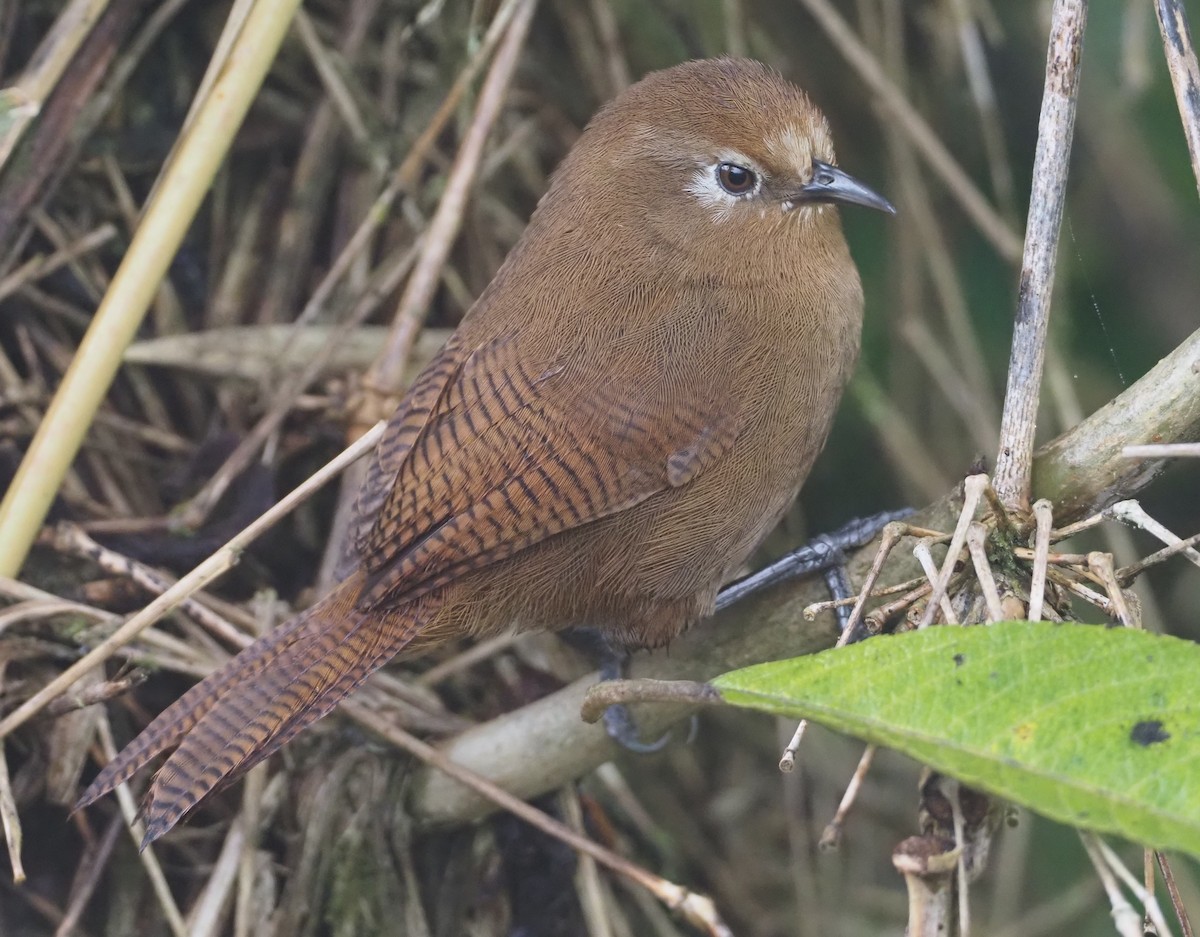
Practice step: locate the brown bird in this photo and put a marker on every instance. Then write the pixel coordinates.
(623, 415)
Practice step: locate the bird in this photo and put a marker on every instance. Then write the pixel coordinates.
(621, 417)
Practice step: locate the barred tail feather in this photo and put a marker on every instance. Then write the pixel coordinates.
(174, 722)
(255, 718)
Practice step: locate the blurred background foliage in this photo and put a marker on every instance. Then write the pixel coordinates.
(714, 814)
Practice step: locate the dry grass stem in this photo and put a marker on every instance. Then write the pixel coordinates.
(149, 860)
(444, 226)
(1185, 73)
(193, 514)
(184, 184)
(588, 885)
(46, 67)
(9, 818)
(36, 268)
(203, 574)
(923, 137)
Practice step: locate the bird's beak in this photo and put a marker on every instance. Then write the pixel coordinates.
(830, 184)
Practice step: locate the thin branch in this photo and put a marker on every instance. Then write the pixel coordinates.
(1056, 128)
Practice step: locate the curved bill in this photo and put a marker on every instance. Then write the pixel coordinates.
(830, 184)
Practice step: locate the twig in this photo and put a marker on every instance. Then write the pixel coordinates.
(1044, 518)
(928, 864)
(1088, 595)
(1185, 74)
(921, 550)
(832, 834)
(812, 611)
(1128, 922)
(1130, 512)
(1168, 874)
(70, 539)
(1101, 565)
(1163, 451)
(1127, 574)
(951, 790)
(618, 692)
(1056, 125)
(973, 487)
(977, 544)
(1149, 902)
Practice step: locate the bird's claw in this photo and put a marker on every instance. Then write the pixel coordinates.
(619, 724)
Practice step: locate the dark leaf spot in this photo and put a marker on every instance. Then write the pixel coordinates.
(1148, 732)
(958, 660)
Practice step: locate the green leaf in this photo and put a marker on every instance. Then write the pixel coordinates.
(1097, 727)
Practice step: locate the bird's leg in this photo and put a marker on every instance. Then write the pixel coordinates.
(823, 554)
(611, 660)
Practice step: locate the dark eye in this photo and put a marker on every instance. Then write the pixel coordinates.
(735, 179)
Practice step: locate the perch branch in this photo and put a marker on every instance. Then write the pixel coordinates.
(545, 744)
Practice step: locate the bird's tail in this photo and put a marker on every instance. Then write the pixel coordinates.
(259, 700)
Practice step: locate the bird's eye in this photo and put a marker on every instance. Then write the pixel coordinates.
(735, 179)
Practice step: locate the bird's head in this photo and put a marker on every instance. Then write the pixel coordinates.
(716, 150)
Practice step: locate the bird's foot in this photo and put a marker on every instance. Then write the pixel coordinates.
(618, 721)
(823, 554)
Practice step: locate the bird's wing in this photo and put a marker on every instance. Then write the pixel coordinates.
(518, 448)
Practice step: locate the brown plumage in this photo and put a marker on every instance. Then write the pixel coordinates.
(625, 413)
